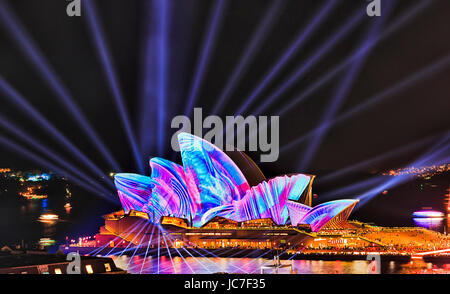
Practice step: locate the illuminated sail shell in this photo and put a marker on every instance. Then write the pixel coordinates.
(267, 200)
(219, 181)
(173, 193)
(134, 190)
(324, 213)
(297, 211)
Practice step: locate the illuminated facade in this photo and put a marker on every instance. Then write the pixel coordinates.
(210, 184)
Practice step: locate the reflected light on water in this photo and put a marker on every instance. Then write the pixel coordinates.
(204, 265)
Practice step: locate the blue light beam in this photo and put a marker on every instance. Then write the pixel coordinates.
(134, 227)
(23, 105)
(357, 166)
(287, 55)
(432, 156)
(249, 52)
(344, 88)
(412, 79)
(6, 124)
(336, 36)
(138, 246)
(36, 57)
(17, 149)
(214, 23)
(162, 74)
(104, 54)
(399, 22)
(146, 251)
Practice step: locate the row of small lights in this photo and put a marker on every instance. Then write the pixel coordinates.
(425, 172)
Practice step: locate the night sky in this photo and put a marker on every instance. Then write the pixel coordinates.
(413, 113)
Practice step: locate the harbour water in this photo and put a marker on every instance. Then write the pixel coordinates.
(203, 265)
(76, 213)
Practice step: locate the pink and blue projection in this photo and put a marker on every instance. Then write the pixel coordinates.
(210, 184)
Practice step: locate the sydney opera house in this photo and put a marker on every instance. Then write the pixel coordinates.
(219, 197)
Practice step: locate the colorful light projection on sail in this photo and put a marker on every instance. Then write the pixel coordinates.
(210, 184)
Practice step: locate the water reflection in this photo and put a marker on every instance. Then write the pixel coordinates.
(430, 223)
(68, 207)
(203, 265)
(48, 218)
